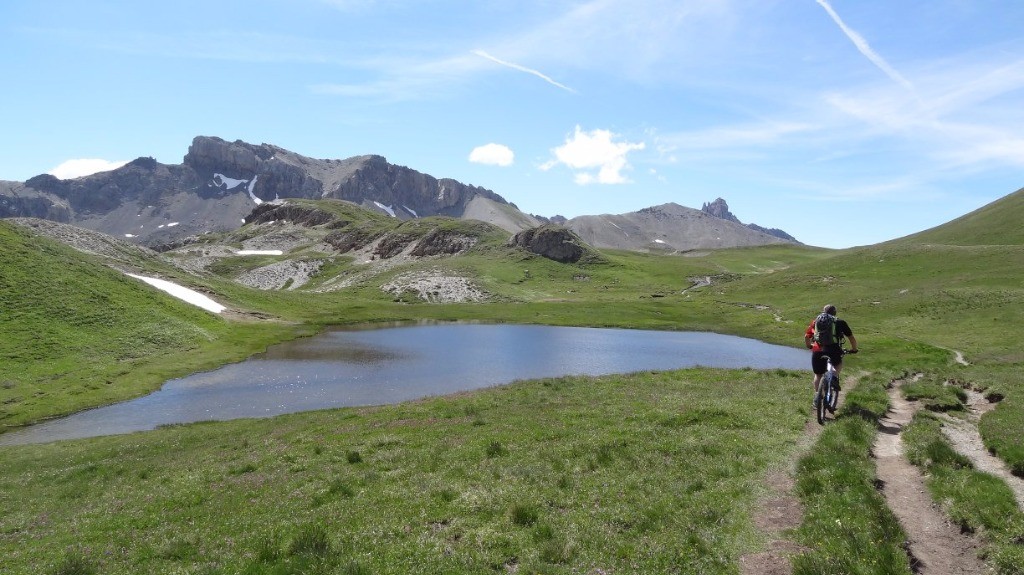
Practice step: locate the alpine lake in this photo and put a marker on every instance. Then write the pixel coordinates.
(375, 365)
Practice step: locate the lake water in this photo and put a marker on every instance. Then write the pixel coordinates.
(355, 367)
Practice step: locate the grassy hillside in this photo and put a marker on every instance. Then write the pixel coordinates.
(998, 223)
(77, 333)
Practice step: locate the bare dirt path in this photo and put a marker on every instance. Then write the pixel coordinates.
(964, 435)
(780, 511)
(936, 546)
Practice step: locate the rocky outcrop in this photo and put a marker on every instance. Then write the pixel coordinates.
(720, 209)
(19, 200)
(298, 215)
(443, 242)
(553, 242)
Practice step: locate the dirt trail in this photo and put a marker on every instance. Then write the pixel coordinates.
(780, 510)
(964, 436)
(936, 546)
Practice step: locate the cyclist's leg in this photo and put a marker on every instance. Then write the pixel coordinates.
(819, 365)
(837, 360)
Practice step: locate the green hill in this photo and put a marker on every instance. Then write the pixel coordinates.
(998, 223)
(77, 333)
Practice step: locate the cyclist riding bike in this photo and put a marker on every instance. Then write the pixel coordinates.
(824, 337)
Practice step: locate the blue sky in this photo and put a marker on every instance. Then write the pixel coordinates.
(887, 117)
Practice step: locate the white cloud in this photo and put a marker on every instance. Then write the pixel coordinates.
(585, 152)
(84, 167)
(492, 155)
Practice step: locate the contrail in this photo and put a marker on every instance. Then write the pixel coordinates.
(865, 49)
(547, 79)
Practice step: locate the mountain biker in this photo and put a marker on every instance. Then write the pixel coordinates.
(821, 355)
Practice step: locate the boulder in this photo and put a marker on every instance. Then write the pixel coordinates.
(551, 241)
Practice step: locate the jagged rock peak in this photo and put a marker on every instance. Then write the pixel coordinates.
(720, 209)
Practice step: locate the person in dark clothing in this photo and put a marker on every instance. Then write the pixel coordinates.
(821, 354)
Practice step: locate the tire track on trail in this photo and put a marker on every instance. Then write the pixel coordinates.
(779, 511)
(935, 545)
(966, 439)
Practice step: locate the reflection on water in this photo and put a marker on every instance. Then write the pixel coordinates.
(377, 366)
(326, 350)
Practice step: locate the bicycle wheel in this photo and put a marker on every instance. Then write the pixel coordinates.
(819, 403)
(833, 394)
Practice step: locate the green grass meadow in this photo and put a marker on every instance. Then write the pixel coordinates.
(653, 472)
(642, 473)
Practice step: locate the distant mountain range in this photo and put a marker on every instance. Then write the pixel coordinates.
(219, 183)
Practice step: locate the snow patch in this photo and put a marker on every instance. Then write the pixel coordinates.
(252, 185)
(183, 293)
(388, 209)
(259, 253)
(659, 241)
(411, 211)
(172, 224)
(231, 183)
(130, 235)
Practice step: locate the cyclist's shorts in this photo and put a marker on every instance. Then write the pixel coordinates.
(818, 363)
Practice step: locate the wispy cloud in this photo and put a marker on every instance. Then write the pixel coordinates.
(865, 48)
(767, 133)
(514, 66)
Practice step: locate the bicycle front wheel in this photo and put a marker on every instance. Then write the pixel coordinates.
(819, 403)
(833, 395)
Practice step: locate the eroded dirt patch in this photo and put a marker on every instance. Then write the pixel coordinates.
(936, 546)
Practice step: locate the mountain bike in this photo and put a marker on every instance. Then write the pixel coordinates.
(827, 397)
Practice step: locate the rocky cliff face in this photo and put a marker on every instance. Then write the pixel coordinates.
(219, 183)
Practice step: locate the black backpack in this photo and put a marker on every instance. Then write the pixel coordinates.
(825, 330)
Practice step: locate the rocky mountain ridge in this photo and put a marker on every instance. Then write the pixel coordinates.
(219, 183)
(667, 228)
